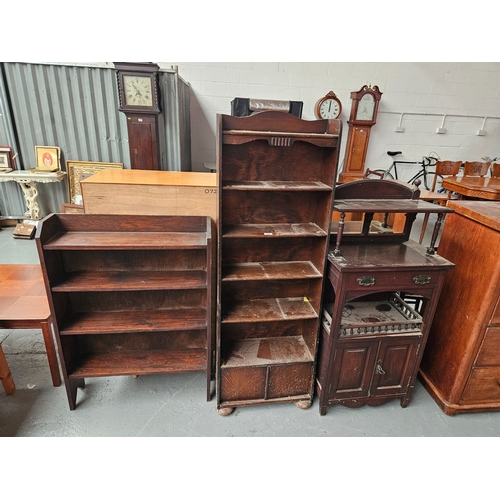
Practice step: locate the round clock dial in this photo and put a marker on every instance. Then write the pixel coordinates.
(328, 107)
(366, 108)
(137, 90)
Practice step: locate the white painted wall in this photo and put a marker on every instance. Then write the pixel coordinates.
(468, 89)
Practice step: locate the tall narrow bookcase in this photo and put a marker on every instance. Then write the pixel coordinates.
(130, 295)
(276, 175)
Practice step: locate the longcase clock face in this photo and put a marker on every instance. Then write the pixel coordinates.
(366, 108)
(137, 90)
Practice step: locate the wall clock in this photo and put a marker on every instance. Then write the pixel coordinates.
(363, 116)
(139, 99)
(328, 107)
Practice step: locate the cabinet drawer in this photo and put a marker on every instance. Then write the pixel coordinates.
(392, 280)
(483, 385)
(490, 350)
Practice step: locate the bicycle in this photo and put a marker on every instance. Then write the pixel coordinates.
(428, 176)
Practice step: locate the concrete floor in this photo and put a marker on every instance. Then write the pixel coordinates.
(174, 405)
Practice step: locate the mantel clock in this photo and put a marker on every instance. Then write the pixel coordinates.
(363, 116)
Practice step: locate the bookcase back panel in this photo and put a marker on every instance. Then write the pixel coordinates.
(275, 249)
(261, 330)
(137, 300)
(192, 339)
(259, 207)
(309, 289)
(139, 260)
(257, 161)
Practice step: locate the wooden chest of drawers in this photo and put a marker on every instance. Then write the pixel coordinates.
(461, 365)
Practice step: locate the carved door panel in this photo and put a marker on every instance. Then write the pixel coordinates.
(353, 369)
(395, 364)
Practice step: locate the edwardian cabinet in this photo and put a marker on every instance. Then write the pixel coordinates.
(461, 366)
(129, 294)
(380, 298)
(276, 175)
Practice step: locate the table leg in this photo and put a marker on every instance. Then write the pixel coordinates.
(5, 375)
(30, 192)
(51, 353)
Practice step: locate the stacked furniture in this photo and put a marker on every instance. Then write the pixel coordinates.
(380, 299)
(461, 366)
(129, 295)
(276, 175)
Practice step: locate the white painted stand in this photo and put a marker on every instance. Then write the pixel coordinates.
(28, 182)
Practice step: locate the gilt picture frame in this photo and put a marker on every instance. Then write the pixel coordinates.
(77, 171)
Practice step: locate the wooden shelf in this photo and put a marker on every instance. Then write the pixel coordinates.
(269, 230)
(248, 271)
(105, 322)
(129, 294)
(114, 240)
(141, 363)
(389, 206)
(259, 310)
(131, 280)
(276, 186)
(255, 352)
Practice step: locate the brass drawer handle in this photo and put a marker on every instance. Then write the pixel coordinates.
(366, 280)
(421, 279)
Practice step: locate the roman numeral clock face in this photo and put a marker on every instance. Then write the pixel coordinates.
(137, 90)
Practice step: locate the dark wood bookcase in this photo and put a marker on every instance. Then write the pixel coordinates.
(276, 175)
(130, 295)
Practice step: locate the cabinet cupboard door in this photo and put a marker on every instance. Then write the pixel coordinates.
(374, 367)
(395, 365)
(353, 369)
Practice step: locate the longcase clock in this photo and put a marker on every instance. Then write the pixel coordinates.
(363, 116)
(139, 98)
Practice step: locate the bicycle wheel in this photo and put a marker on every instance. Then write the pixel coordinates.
(427, 181)
(385, 175)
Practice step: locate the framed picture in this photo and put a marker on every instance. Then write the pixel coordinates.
(48, 158)
(6, 159)
(79, 170)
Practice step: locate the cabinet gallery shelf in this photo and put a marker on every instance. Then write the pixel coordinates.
(140, 363)
(129, 280)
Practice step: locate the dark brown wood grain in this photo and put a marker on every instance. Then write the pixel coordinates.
(130, 295)
(277, 174)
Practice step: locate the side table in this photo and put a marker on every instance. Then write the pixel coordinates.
(24, 304)
(28, 182)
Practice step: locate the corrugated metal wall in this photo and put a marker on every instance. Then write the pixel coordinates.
(76, 108)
